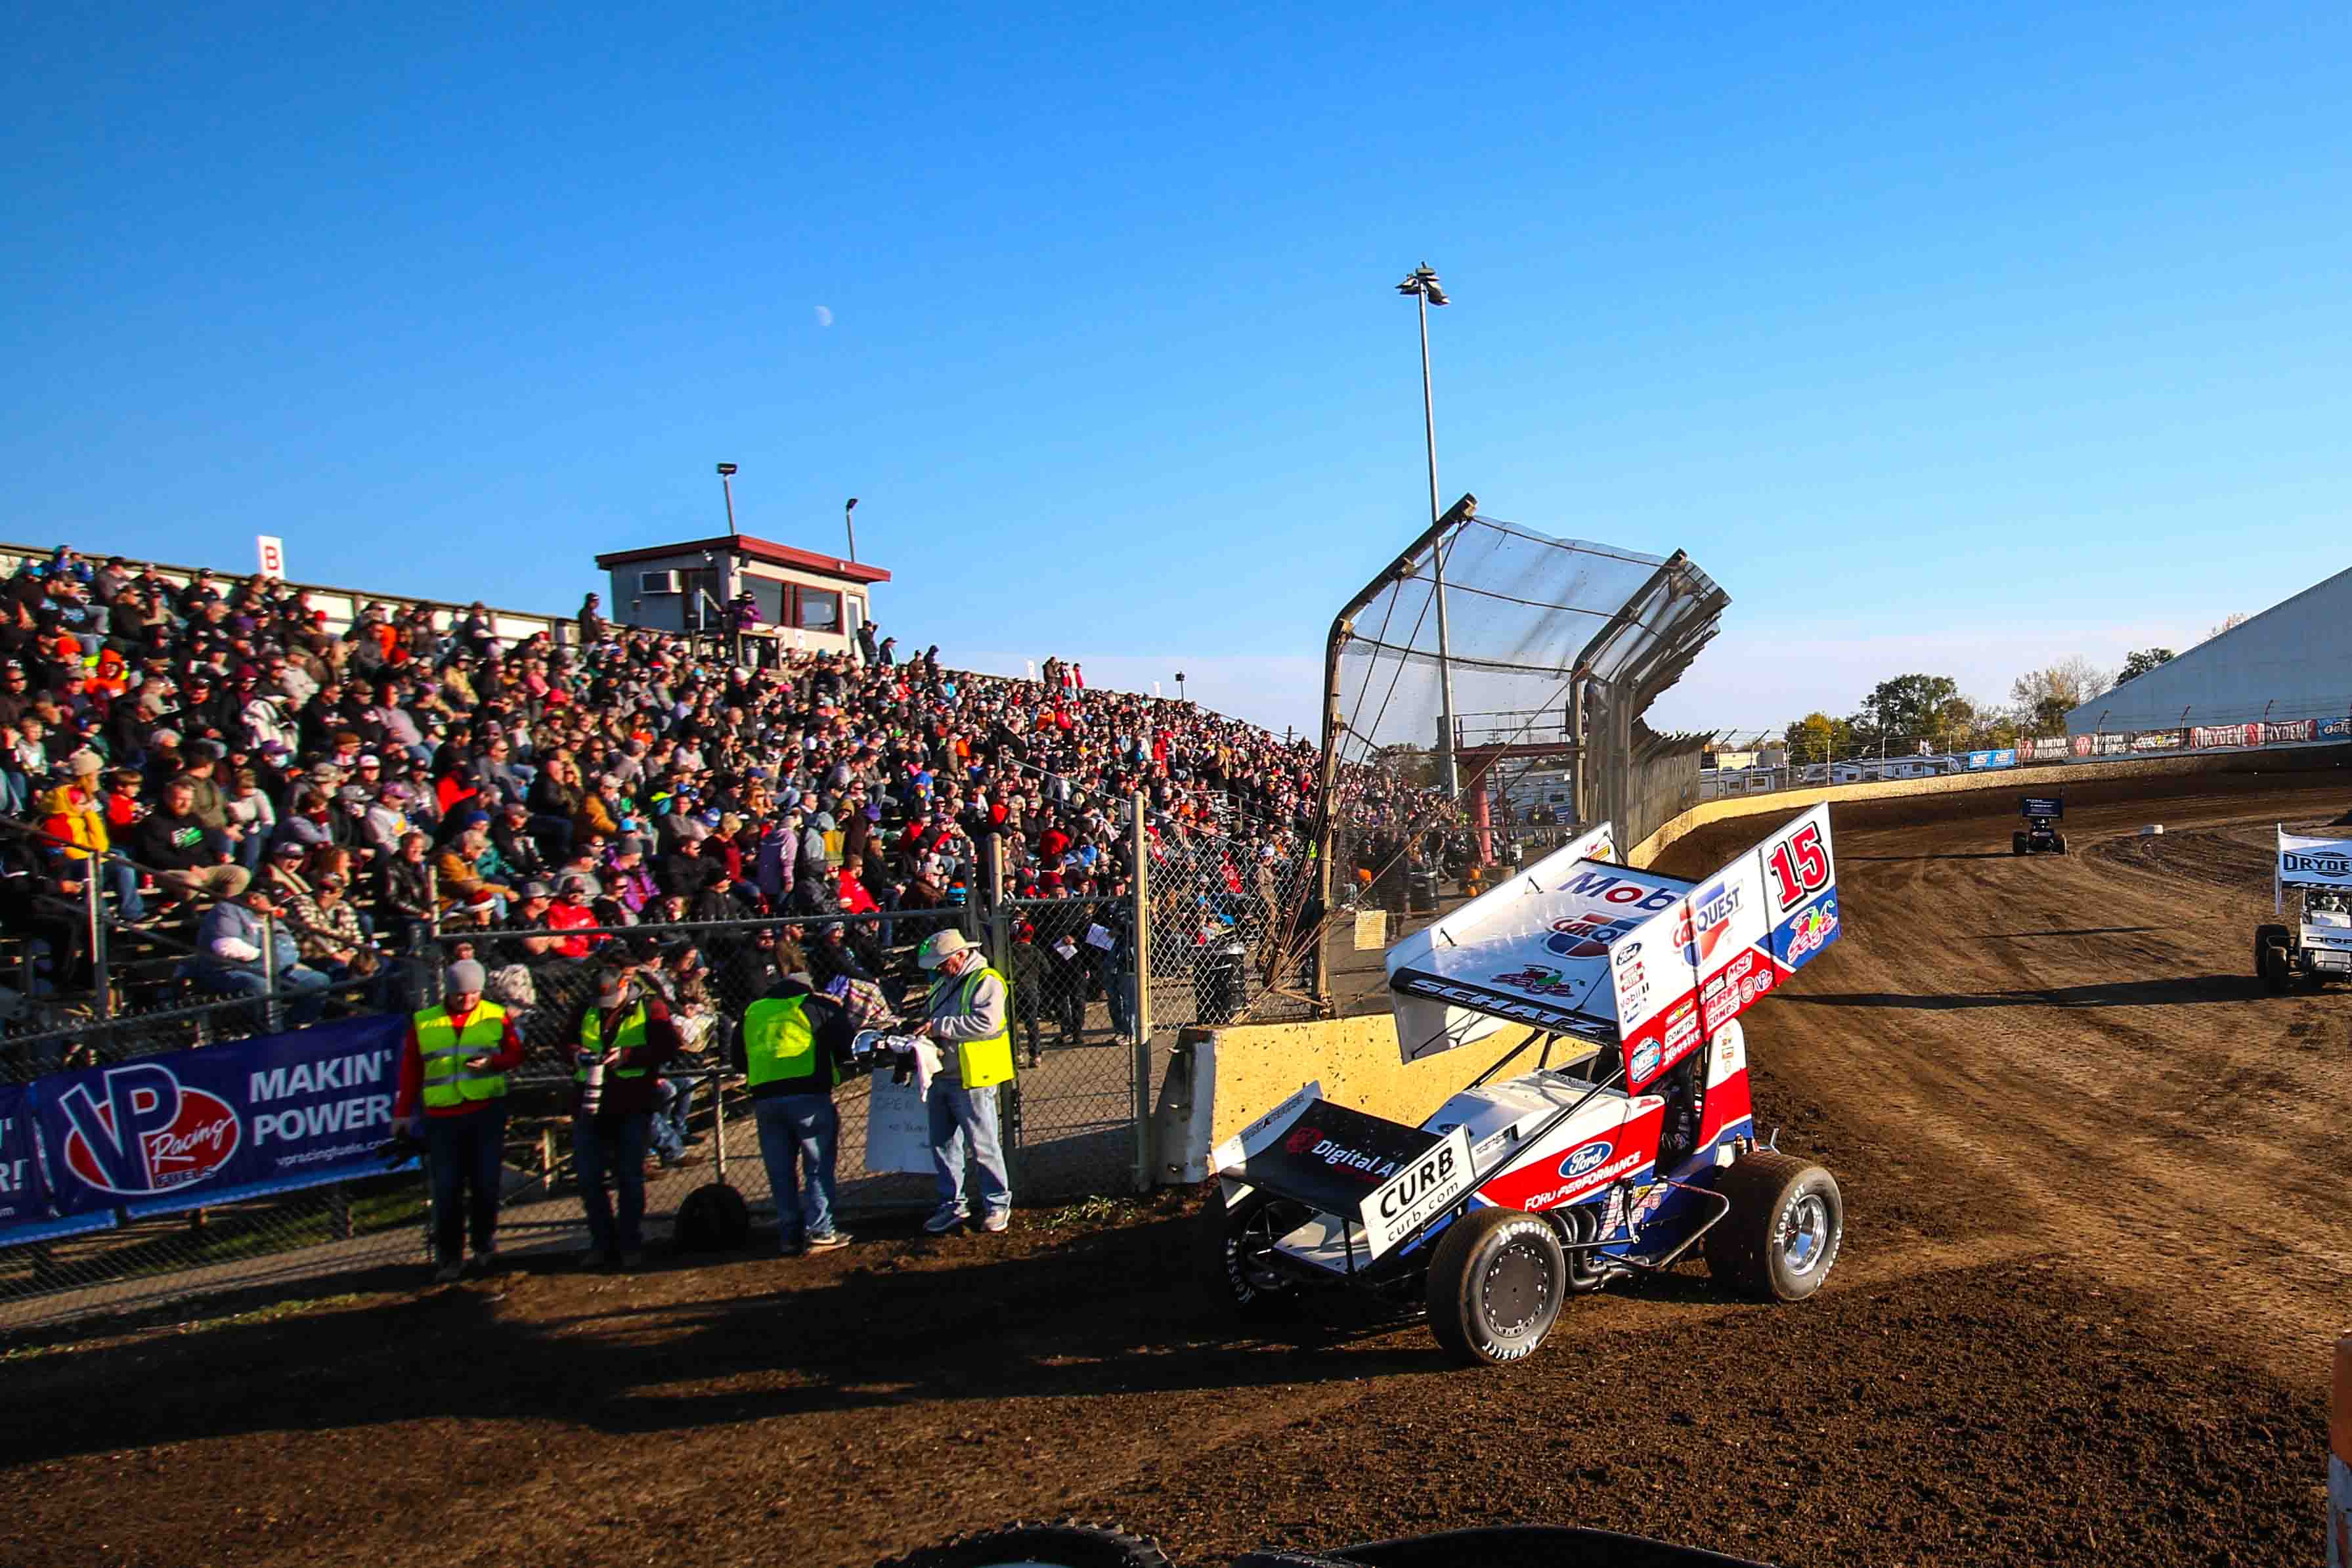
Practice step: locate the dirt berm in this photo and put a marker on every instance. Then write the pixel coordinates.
(2097, 1251)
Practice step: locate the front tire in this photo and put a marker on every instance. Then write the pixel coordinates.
(1495, 1285)
(1786, 1225)
(1231, 1241)
(1042, 1545)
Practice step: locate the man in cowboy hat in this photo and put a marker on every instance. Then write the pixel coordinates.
(968, 1022)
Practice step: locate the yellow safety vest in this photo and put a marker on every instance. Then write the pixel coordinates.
(444, 1048)
(592, 1042)
(985, 1062)
(779, 1044)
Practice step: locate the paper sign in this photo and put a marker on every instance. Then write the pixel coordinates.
(898, 1128)
(1097, 937)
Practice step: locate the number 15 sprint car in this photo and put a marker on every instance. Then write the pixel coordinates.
(1631, 1142)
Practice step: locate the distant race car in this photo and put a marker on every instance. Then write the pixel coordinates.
(1636, 1147)
(2319, 870)
(2040, 812)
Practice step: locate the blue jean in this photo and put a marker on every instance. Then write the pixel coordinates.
(303, 982)
(123, 879)
(466, 1151)
(670, 1128)
(963, 1121)
(803, 1127)
(610, 1152)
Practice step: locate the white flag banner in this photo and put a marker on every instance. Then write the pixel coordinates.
(2305, 862)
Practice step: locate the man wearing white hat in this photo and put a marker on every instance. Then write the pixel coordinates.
(968, 1022)
(454, 1064)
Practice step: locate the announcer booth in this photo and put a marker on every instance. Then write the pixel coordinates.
(806, 601)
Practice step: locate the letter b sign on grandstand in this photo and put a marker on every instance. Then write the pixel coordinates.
(272, 551)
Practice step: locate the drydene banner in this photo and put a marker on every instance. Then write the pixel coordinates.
(2254, 735)
(211, 1125)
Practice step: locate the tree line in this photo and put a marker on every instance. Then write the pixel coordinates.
(1911, 713)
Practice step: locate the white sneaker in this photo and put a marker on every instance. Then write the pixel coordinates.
(997, 1221)
(943, 1221)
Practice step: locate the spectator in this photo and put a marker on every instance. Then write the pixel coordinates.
(967, 1019)
(182, 852)
(796, 1041)
(230, 942)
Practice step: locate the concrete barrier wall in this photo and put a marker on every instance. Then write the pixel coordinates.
(2021, 781)
(1219, 1080)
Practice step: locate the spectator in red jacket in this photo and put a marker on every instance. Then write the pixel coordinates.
(453, 1067)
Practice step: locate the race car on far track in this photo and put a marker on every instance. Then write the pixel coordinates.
(2038, 835)
(1635, 1146)
(2319, 870)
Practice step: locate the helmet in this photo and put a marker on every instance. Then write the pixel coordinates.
(940, 946)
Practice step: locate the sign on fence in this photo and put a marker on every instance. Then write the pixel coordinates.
(898, 1128)
(2004, 758)
(212, 1125)
(2254, 735)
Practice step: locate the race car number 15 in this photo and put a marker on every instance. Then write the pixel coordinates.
(1800, 867)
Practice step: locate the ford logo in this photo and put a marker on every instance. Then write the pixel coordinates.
(1586, 1159)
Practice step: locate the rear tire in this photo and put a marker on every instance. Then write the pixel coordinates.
(2017, 842)
(2271, 965)
(1228, 1240)
(2058, 842)
(1495, 1285)
(1786, 1225)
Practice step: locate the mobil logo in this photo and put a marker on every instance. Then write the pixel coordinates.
(1705, 922)
(1586, 1159)
(1586, 936)
(1606, 888)
(144, 1131)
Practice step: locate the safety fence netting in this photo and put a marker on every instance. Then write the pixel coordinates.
(1483, 694)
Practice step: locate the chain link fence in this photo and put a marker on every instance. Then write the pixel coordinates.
(1073, 1116)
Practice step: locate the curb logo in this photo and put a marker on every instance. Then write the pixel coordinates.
(148, 1134)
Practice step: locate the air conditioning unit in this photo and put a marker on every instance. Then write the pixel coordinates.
(657, 583)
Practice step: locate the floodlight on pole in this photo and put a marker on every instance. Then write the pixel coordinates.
(1422, 285)
(727, 482)
(850, 521)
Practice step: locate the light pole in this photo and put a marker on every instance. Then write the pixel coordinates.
(727, 482)
(850, 521)
(1422, 285)
(1180, 686)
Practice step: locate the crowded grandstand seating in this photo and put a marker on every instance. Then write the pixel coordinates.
(416, 768)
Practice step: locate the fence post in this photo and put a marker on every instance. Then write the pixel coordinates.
(1139, 977)
(270, 1008)
(996, 944)
(94, 911)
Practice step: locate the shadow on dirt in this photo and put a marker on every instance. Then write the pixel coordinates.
(1969, 855)
(1112, 1310)
(2181, 991)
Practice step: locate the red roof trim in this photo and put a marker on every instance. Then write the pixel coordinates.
(753, 549)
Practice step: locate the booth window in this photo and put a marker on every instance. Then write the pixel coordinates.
(813, 609)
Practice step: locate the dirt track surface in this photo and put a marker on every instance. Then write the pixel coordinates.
(2098, 1247)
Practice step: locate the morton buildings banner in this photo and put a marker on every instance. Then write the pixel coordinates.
(210, 1125)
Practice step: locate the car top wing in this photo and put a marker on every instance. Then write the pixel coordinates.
(2042, 806)
(1652, 964)
(2305, 862)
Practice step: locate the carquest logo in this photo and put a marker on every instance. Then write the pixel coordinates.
(149, 1133)
(1579, 1160)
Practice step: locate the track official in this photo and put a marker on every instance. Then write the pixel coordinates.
(971, 1025)
(796, 1041)
(454, 1065)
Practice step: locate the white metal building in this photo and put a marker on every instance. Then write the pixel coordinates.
(809, 600)
(2293, 661)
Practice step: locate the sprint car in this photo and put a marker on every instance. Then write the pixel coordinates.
(2039, 836)
(2318, 871)
(1630, 1143)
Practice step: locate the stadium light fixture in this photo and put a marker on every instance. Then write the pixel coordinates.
(850, 521)
(727, 482)
(1422, 285)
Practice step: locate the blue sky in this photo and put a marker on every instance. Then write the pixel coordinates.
(1961, 340)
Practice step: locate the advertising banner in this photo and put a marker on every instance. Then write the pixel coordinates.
(2051, 749)
(2291, 730)
(2336, 729)
(2005, 758)
(2156, 741)
(219, 1124)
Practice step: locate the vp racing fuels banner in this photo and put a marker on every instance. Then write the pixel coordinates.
(212, 1125)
